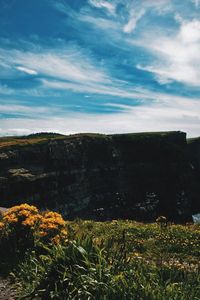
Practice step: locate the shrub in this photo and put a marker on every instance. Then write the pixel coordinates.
(22, 227)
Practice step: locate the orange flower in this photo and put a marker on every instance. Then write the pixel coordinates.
(22, 214)
(32, 220)
(52, 227)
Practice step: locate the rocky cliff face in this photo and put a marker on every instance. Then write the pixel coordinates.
(136, 176)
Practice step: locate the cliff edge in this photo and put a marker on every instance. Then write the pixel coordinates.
(137, 176)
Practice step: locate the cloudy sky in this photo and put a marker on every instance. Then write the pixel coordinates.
(99, 66)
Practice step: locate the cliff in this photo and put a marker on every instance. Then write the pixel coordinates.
(97, 176)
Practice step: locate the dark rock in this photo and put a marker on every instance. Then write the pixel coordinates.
(136, 176)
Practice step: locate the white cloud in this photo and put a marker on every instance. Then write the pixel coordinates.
(110, 7)
(69, 66)
(166, 112)
(69, 69)
(26, 70)
(105, 24)
(28, 111)
(177, 55)
(137, 9)
(95, 88)
(134, 18)
(190, 32)
(178, 115)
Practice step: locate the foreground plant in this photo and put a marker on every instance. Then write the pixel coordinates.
(82, 270)
(99, 260)
(20, 231)
(52, 228)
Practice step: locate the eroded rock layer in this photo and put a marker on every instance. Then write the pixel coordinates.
(137, 176)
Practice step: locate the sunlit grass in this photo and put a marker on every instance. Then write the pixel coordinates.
(119, 259)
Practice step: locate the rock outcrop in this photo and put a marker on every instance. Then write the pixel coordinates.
(137, 176)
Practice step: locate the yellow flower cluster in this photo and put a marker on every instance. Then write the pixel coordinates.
(49, 224)
(32, 220)
(24, 214)
(52, 226)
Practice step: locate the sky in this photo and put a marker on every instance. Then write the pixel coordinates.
(106, 66)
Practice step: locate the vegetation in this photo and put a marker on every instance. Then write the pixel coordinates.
(192, 140)
(57, 259)
(42, 137)
(45, 136)
(149, 134)
(28, 140)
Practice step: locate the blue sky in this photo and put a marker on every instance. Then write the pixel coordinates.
(99, 66)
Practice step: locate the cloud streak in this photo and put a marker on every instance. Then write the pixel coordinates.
(26, 70)
(110, 7)
(182, 115)
(177, 55)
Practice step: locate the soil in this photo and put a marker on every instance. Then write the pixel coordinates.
(7, 290)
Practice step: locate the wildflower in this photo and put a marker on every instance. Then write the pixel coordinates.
(52, 227)
(1, 225)
(56, 239)
(23, 214)
(32, 220)
(43, 233)
(64, 232)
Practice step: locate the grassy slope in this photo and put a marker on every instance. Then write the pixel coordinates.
(119, 260)
(45, 136)
(115, 260)
(39, 138)
(148, 240)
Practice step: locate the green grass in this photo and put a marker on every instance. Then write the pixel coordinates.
(41, 137)
(37, 138)
(28, 140)
(115, 260)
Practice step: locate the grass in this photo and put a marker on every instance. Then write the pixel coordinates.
(28, 140)
(37, 138)
(114, 260)
(46, 136)
(117, 260)
(121, 259)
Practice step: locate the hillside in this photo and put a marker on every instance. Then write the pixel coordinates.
(138, 176)
(48, 257)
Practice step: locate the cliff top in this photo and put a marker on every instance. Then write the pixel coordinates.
(46, 136)
(193, 140)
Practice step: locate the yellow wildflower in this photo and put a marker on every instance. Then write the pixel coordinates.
(52, 226)
(56, 239)
(64, 232)
(23, 214)
(1, 225)
(43, 233)
(32, 220)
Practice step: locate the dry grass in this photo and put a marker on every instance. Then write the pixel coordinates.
(7, 142)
